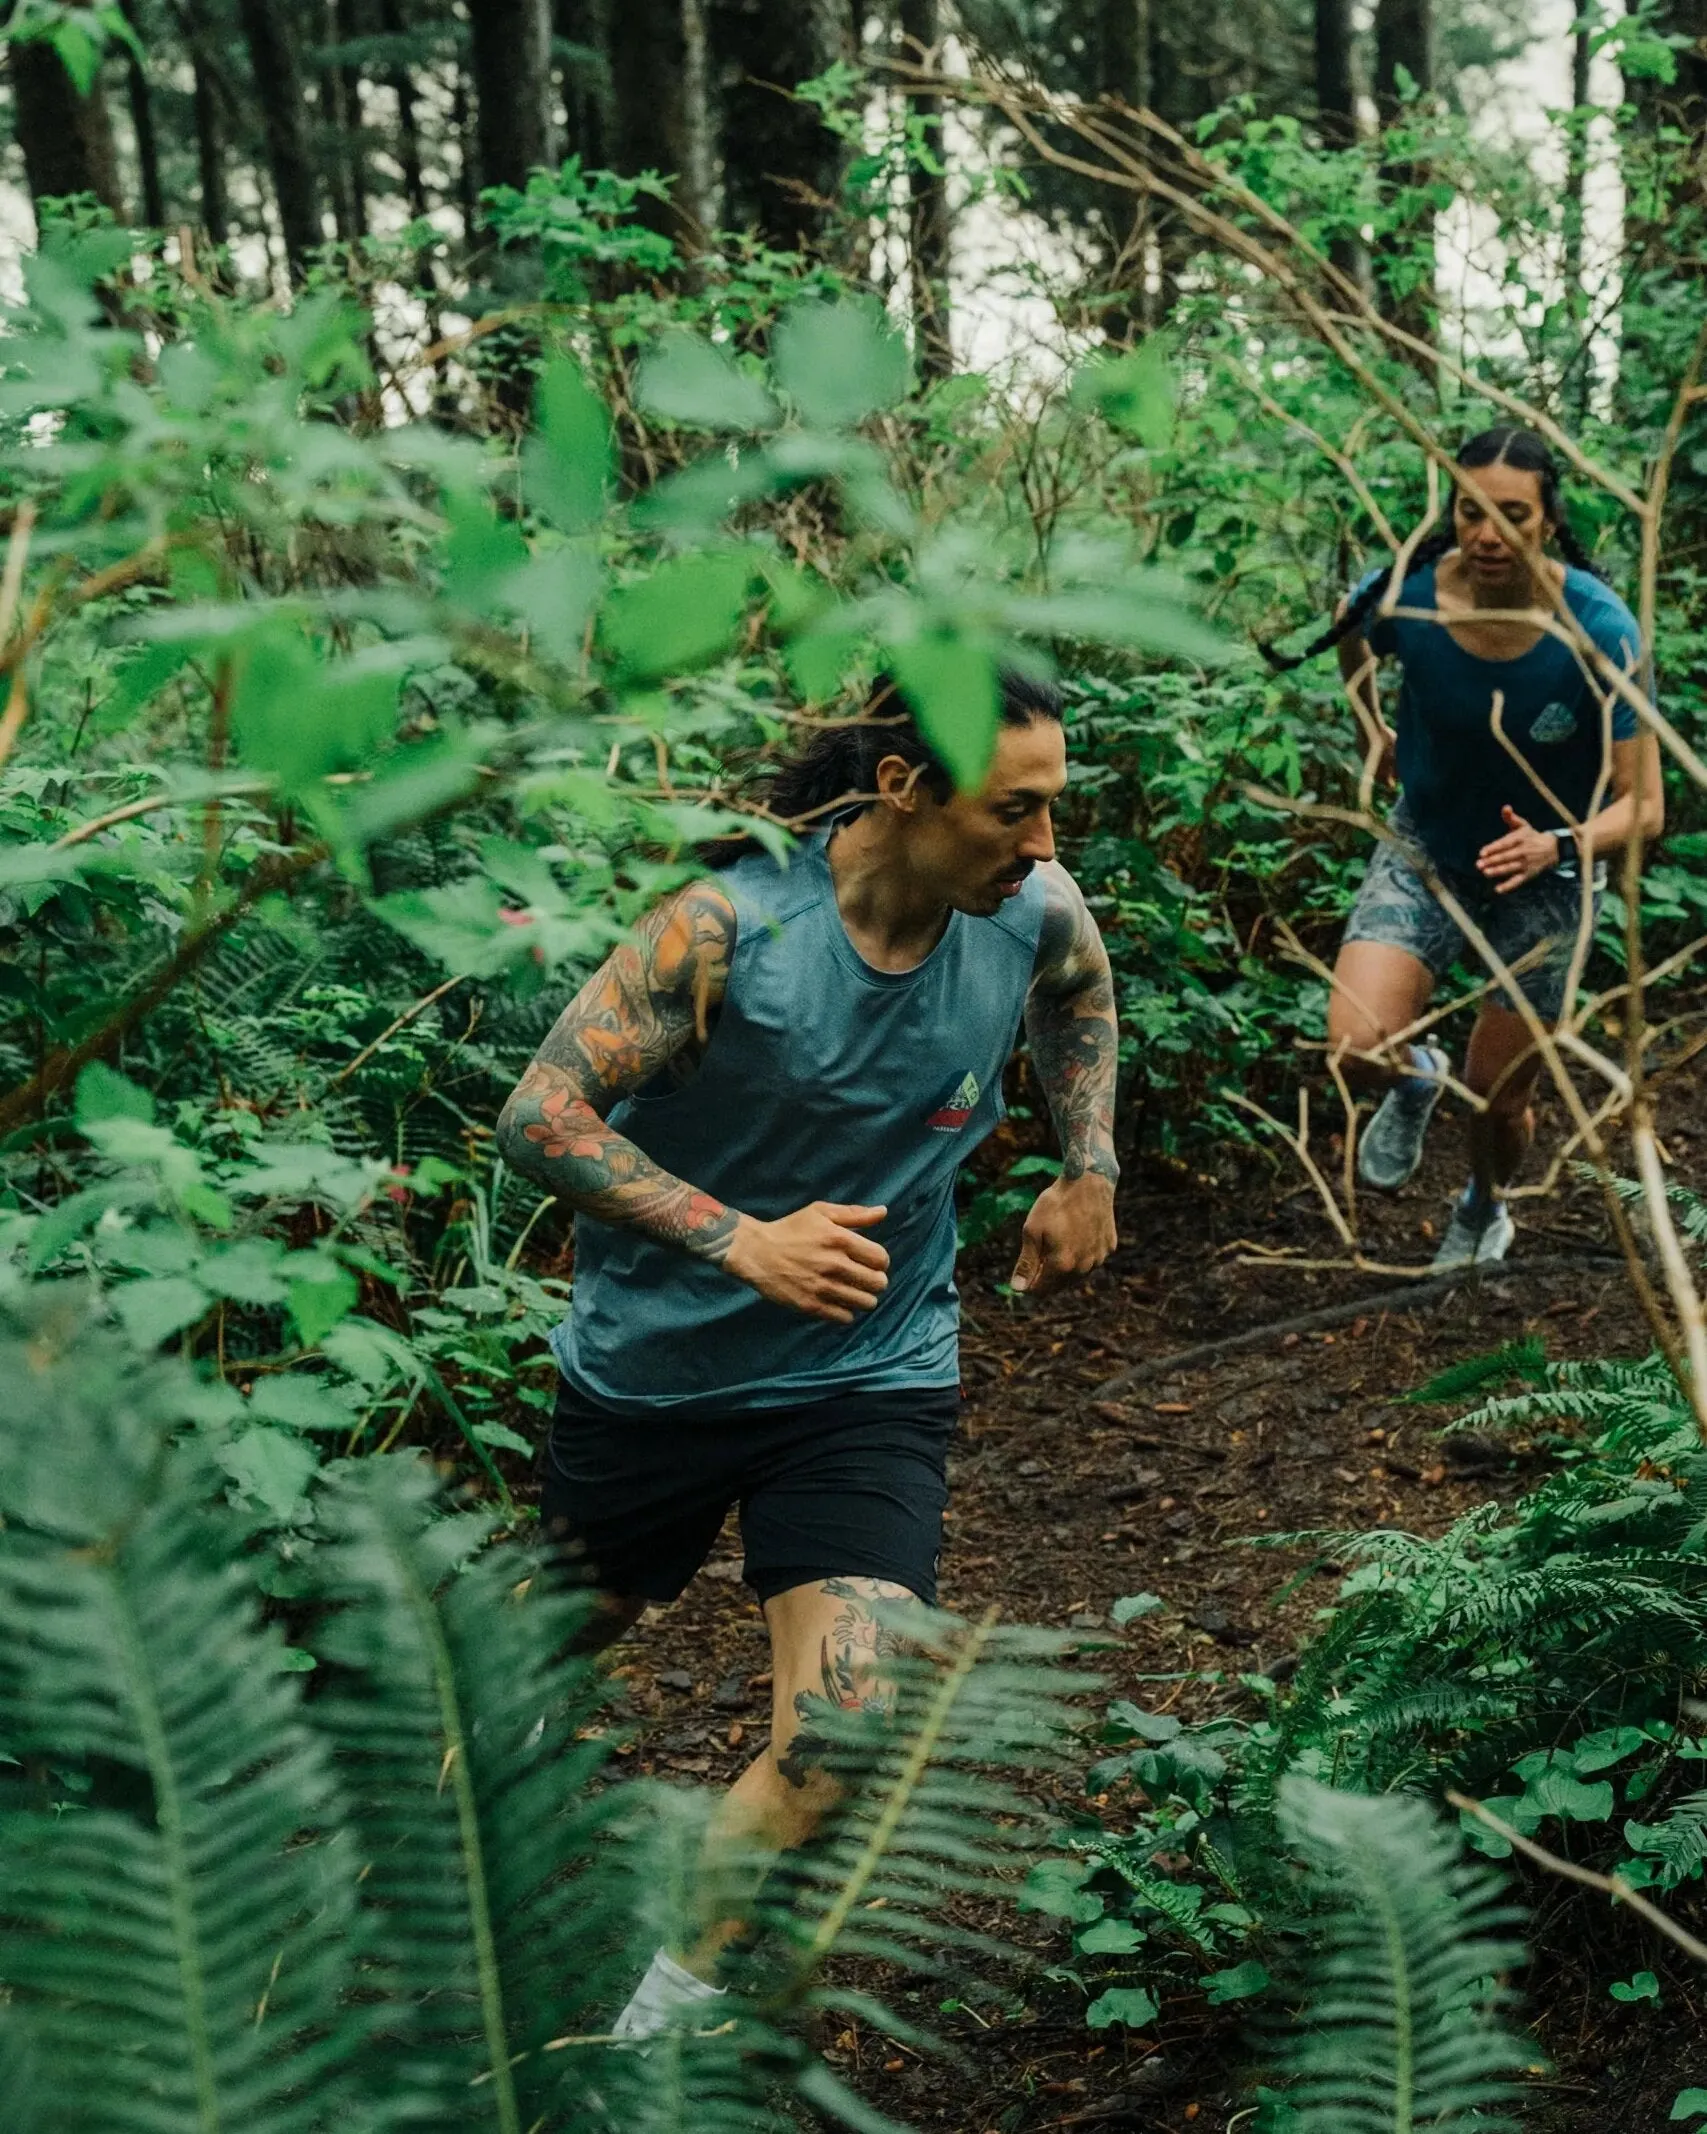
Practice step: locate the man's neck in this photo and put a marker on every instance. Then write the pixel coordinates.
(891, 918)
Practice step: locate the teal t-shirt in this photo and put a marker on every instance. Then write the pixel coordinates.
(823, 1079)
(1453, 772)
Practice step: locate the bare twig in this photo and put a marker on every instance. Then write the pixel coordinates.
(1614, 1886)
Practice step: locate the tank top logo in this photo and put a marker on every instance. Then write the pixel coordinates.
(1557, 722)
(952, 1113)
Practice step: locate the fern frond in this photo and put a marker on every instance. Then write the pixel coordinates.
(1401, 2033)
(1525, 1358)
(931, 1812)
(175, 1941)
(1679, 1843)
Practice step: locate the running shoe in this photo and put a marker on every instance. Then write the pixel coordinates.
(1475, 1237)
(1391, 1149)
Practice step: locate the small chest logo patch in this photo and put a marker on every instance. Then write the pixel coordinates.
(1557, 722)
(949, 1116)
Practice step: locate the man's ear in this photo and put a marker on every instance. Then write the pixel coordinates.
(899, 784)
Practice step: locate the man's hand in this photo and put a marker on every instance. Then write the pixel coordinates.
(1519, 856)
(814, 1261)
(1069, 1231)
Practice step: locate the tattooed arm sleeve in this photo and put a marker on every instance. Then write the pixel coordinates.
(1069, 1020)
(645, 1005)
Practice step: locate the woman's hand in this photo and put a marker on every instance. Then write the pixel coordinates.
(1519, 856)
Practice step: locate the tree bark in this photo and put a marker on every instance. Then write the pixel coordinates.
(586, 82)
(929, 231)
(1404, 39)
(782, 166)
(510, 58)
(1336, 109)
(210, 155)
(402, 86)
(66, 139)
(142, 125)
(279, 89)
(659, 120)
(1127, 54)
(341, 100)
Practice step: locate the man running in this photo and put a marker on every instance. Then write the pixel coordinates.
(758, 1111)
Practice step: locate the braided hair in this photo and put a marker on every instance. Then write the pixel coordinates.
(839, 763)
(1503, 446)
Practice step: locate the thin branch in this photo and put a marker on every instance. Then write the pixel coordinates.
(1614, 1886)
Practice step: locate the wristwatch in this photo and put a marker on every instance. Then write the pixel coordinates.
(1569, 852)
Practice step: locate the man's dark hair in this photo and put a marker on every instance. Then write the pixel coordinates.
(1503, 446)
(836, 772)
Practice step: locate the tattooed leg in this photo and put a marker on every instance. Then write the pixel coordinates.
(828, 1651)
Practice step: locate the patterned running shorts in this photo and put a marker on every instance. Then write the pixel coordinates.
(1396, 906)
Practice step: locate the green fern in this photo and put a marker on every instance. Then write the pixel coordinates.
(1522, 1359)
(1400, 2032)
(169, 1940)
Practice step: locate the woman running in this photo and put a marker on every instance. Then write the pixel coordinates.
(1470, 816)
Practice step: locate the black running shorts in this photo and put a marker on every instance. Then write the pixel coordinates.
(851, 1487)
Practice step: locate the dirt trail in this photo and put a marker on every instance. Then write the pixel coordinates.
(1065, 1497)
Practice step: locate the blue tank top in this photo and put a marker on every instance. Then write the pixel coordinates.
(823, 1079)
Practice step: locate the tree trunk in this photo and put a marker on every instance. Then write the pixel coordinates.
(402, 86)
(1404, 40)
(279, 89)
(210, 155)
(1336, 109)
(585, 24)
(462, 132)
(659, 120)
(510, 58)
(66, 139)
(142, 124)
(1126, 70)
(782, 166)
(929, 232)
(341, 100)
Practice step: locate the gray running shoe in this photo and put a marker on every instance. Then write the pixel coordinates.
(1391, 1149)
(1475, 1240)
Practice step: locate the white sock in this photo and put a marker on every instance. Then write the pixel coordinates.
(667, 1987)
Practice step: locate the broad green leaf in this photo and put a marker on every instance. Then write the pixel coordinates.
(248, 1272)
(554, 595)
(567, 462)
(1599, 1752)
(840, 362)
(688, 379)
(1134, 392)
(1555, 1791)
(1689, 2104)
(1129, 1718)
(950, 686)
(271, 1468)
(684, 616)
(1056, 1887)
(482, 553)
(297, 720)
(1130, 2005)
(1238, 1984)
(103, 1094)
(318, 1300)
(150, 1312)
(1131, 1606)
(501, 1435)
(1643, 1987)
(1109, 1937)
(301, 1402)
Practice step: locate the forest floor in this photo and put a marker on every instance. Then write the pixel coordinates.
(1066, 1494)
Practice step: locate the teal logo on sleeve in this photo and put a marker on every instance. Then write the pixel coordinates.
(1554, 723)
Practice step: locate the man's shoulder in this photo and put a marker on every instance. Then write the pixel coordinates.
(1061, 915)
